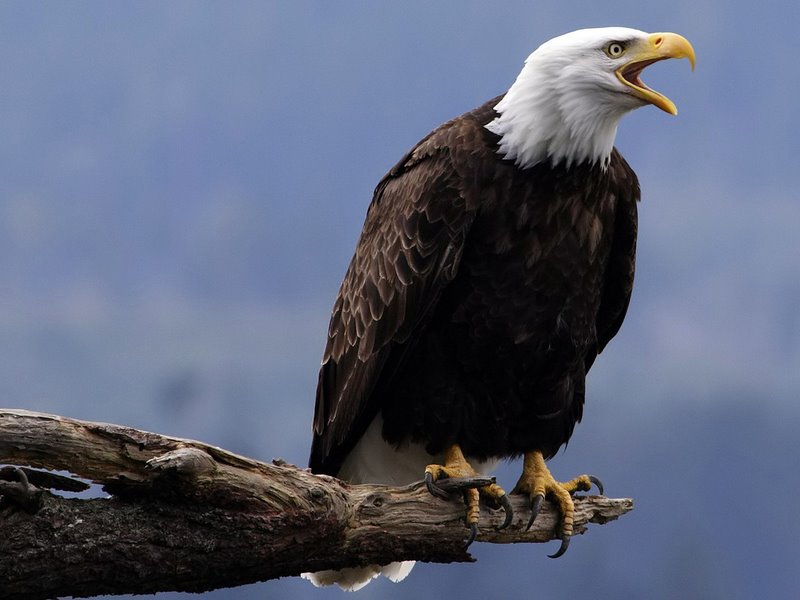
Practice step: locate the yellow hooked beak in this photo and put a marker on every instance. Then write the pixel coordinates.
(658, 46)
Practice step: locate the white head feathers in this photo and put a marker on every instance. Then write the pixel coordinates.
(567, 101)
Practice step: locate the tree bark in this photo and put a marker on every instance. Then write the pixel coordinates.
(182, 515)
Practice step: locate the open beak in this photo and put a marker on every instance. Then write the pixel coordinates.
(658, 46)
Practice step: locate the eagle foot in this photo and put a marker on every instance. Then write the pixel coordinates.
(458, 475)
(537, 482)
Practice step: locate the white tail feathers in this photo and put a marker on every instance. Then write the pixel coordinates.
(354, 578)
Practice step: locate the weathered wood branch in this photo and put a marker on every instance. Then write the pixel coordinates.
(183, 515)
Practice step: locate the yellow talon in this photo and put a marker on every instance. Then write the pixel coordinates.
(537, 481)
(456, 466)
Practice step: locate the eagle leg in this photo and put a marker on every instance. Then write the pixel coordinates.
(456, 466)
(537, 482)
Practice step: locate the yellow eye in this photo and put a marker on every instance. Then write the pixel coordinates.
(615, 50)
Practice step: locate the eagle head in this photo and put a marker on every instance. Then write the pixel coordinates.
(567, 101)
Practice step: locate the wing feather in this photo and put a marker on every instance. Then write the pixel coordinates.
(618, 284)
(409, 250)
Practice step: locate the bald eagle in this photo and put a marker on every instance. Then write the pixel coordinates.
(495, 263)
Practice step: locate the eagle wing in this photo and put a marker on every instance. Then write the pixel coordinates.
(618, 282)
(409, 250)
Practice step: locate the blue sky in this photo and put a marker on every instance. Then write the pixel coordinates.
(182, 184)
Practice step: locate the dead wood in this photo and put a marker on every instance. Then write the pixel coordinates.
(182, 515)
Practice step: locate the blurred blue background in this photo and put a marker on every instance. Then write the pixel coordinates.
(182, 185)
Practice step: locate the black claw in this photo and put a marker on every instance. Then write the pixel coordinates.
(473, 533)
(505, 504)
(564, 545)
(598, 483)
(451, 485)
(536, 506)
(434, 489)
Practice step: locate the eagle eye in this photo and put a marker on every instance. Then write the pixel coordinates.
(615, 49)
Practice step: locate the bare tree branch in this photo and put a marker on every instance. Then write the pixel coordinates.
(183, 515)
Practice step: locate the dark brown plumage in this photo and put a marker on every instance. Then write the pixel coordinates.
(479, 296)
